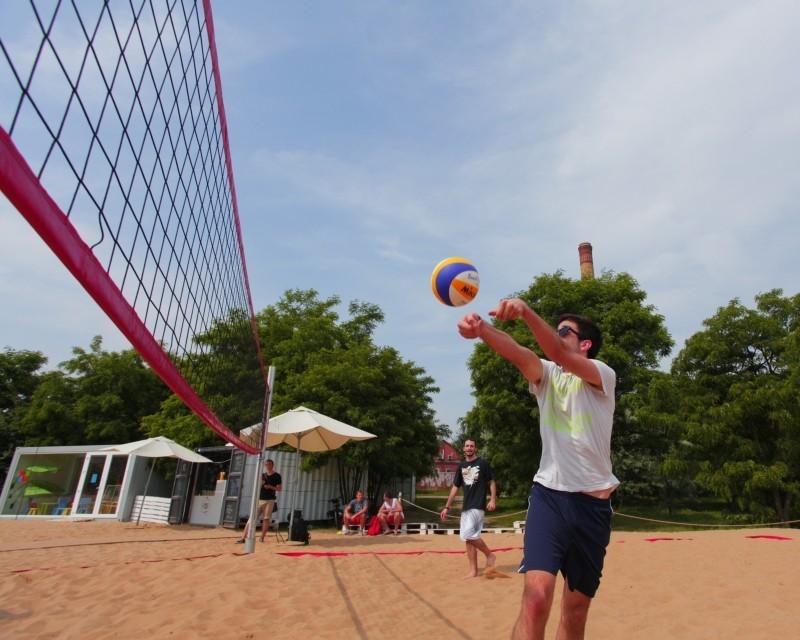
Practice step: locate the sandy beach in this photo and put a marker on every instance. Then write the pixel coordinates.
(72, 579)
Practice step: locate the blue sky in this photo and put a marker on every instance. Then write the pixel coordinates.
(372, 139)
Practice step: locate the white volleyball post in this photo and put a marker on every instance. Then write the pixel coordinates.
(250, 541)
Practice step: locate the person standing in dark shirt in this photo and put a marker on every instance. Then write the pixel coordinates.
(475, 475)
(270, 485)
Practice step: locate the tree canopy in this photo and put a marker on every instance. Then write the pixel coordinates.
(97, 397)
(226, 374)
(334, 367)
(735, 403)
(19, 377)
(724, 419)
(330, 365)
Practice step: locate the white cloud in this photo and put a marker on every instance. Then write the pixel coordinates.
(372, 140)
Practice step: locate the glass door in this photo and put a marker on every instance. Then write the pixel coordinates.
(112, 484)
(89, 485)
(180, 491)
(100, 484)
(233, 491)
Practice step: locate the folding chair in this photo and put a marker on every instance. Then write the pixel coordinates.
(62, 507)
(83, 505)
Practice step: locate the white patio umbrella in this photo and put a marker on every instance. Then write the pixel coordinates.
(158, 447)
(306, 430)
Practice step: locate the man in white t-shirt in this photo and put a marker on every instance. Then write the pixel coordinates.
(568, 526)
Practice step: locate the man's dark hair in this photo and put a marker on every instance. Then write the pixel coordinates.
(587, 329)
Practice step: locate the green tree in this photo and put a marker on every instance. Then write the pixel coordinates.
(505, 418)
(98, 397)
(334, 367)
(50, 418)
(174, 420)
(658, 415)
(19, 377)
(738, 398)
(225, 372)
(115, 390)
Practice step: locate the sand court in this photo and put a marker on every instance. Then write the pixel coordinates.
(113, 579)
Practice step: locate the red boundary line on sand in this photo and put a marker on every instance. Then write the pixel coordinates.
(663, 539)
(336, 554)
(764, 537)
(110, 564)
(292, 554)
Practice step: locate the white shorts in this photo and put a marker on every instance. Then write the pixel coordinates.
(471, 524)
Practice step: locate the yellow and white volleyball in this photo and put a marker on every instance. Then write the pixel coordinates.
(455, 281)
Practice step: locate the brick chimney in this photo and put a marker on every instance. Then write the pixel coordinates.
(587, 263)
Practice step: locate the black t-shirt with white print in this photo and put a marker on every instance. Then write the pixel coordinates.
(474, 477)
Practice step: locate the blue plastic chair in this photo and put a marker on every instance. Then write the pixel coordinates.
(62, 507)
(83, 505)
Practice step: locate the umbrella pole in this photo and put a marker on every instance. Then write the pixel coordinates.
(294, 490)
(294, 497)
(146, 487)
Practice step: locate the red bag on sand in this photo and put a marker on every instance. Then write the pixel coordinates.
(374, 527)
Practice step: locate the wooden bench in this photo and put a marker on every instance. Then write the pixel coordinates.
(457, 531)
(422, 528)
(149, 509)
(445, 532)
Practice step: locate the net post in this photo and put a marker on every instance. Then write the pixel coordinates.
(250, 540)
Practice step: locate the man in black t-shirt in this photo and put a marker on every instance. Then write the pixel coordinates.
(475, 475)
(270, 484)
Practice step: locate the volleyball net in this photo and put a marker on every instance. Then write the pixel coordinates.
(114, 147)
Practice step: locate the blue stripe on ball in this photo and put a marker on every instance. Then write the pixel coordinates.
(444, 274)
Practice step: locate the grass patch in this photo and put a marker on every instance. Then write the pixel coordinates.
(659, 518)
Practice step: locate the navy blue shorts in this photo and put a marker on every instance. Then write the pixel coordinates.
(567, 532)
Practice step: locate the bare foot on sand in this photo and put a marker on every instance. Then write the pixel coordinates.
(490, 572)
(471, 574)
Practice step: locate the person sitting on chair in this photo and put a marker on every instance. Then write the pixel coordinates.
(391, 514)
(355, 513)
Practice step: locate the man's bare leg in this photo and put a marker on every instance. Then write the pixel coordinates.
(574, 613)
(472, 557)
(537, 599)
(473, 546)
(481, 546)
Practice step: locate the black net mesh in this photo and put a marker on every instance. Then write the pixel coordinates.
(114, 107)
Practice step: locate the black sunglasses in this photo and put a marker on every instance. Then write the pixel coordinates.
(563, 331)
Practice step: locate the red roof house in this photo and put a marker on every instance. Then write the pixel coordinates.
(446, 463)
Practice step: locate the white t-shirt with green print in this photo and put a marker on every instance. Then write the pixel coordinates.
(575, 425)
